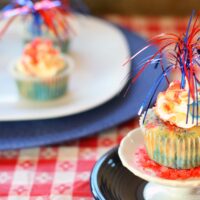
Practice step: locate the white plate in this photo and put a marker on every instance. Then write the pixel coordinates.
(98, 51)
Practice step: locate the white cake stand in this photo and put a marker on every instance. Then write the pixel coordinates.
(157, 188)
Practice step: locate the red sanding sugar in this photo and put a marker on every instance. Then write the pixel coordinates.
(151, 167)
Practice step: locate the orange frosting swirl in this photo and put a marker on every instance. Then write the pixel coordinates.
(40, 59)
(171, 106)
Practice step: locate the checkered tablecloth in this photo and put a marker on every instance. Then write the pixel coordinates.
(62, 172)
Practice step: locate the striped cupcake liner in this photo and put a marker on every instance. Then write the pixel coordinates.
(175, 152)
(42, 90)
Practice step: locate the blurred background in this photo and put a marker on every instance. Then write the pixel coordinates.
(140, 7)
(143, 7)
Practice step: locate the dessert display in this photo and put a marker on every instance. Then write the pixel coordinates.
(164, 150)
(44, 18)
(42, 73)
(171, 128)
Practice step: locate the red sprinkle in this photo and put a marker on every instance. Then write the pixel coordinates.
(143, 161)
(151, 125)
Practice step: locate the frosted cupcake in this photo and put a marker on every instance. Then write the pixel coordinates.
(172, 128)
(42, 73)
(171, 133)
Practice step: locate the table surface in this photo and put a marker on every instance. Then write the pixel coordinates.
(62, 172)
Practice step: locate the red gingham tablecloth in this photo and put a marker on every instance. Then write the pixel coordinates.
(62, 172)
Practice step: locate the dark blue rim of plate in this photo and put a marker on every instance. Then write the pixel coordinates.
(23, 134)
(94, 186)
(110, 180)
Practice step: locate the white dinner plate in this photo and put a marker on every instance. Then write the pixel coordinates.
(98, 52)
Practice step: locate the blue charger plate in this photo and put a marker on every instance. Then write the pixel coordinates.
(121, 108)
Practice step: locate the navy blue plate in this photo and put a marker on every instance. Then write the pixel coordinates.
(111, 181)
(120, 109)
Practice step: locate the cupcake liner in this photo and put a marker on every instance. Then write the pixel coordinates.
(63, 45)
(41, 91)
(173, 152)
(178, 150)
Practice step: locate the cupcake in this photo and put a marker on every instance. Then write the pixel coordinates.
(169, 139)
(32, 31)
(42, 73)
(172, 127)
